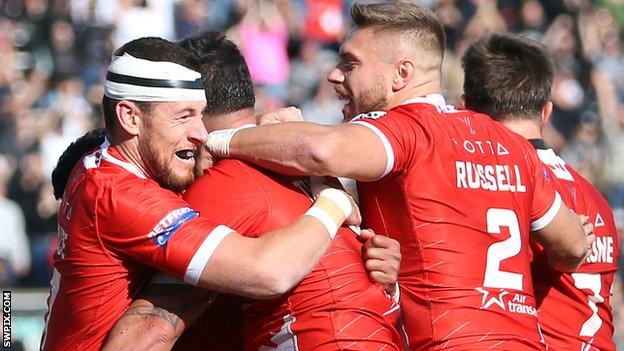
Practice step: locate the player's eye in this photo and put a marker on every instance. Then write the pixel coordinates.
(348, 66)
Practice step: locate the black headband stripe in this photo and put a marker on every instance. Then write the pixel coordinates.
(156, 83)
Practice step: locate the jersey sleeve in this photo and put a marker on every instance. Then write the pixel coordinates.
(228, 194)
(154, 226)
(546, 200)
(400, 135)
(604, 251)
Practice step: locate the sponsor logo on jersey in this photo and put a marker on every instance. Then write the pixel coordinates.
(169, 225)
(506, 301)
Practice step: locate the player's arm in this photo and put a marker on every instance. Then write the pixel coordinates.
(297, 148)
(156, 319)
(271, 265)
(263, 267)
(566, 239)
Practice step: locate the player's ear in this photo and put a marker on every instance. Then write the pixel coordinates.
(546, 112)
(403, 74)
(128, 116)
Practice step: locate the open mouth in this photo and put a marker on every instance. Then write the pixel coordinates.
(186, 154)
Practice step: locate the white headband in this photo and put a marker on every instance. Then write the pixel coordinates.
(131, 78)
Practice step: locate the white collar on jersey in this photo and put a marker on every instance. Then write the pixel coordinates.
(123, 164)
(436, 100)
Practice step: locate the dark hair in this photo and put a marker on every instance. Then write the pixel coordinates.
(405, 16)
(507, 76)
(74, 152)
(224, 72)
(147, 48)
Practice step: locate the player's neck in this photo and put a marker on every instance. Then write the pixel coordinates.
(526, 128)
(129, 151)
(418, 89)
(230, 120)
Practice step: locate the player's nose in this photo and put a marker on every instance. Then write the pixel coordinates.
(335, 76)
(198, 133)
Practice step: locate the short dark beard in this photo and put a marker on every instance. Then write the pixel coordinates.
(162, 173)
(373, 100)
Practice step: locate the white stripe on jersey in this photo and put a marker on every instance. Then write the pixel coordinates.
(545, 220)
(55, 282)
(204, 252)
(386, 144)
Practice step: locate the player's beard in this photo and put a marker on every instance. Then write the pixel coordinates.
(162, 171)
(373, 99)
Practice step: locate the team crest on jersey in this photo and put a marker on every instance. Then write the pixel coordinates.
(371, 115)
(546, 175)
(169, 225)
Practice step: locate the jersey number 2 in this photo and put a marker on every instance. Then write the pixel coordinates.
(495, 277)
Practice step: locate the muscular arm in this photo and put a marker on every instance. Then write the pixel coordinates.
(297, 148)
(262, 267)
(565, 240)
(271, 265)
(268, 266)
(157, 318)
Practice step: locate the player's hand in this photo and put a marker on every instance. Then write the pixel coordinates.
(283, 114)
(382, 258)
(588, 228)
(318, 184)
(355, 218)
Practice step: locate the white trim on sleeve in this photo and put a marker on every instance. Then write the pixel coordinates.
(204, 252)
(386, 144)
(549, 215)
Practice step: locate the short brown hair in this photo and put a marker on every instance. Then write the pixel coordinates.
(404, 16)
(507, 77)
(152, 49)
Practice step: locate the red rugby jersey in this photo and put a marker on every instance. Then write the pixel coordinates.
(460, 193)
(336, 306)
(574, 309)
(116, 227)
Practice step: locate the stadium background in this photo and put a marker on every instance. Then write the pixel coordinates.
(53, 55)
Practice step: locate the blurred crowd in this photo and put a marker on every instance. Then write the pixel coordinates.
(53, 54)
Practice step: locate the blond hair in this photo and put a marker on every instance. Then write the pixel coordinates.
(405, 18)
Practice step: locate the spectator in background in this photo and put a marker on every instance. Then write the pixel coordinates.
(262, 36)
(139, 18)
(324, 106)
(532, 20)
(14, 252)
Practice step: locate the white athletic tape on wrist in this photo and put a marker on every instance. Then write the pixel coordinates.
(340, 198)
(325, 219)
(218, 142)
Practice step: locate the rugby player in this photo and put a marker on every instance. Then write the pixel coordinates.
(459, 191)
(335, 307)
(510, 78)
(121, 217)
